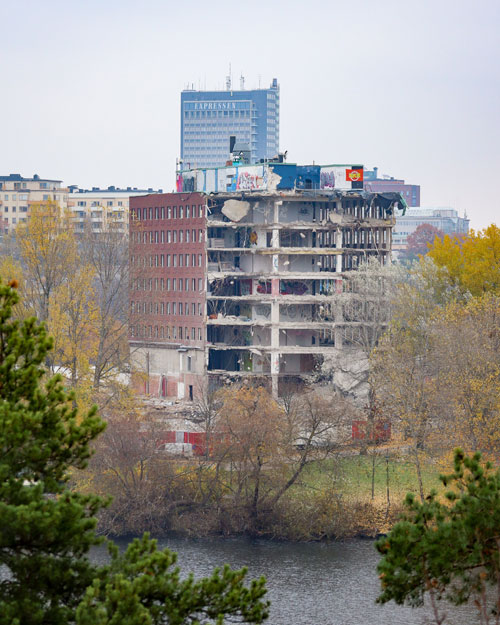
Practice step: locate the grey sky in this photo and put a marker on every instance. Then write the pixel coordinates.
(90, 91)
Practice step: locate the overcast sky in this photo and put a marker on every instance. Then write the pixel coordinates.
(90, 90)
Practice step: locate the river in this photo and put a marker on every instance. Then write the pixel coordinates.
(308, 583)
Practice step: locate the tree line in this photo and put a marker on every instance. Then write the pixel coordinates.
(437, 373)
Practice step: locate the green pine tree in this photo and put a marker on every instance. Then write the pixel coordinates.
(448, 550)
(46, 530)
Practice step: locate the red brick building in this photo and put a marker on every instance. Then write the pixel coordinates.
(167, 292)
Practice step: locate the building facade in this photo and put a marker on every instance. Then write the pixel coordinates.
(18, 193)
(210, 118)
(409, 192)
(445, 219)
(102, 209)
(249, 283)
(168, 292)
(99, 209)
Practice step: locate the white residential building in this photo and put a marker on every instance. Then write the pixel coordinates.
(18, 194)
(102, 208)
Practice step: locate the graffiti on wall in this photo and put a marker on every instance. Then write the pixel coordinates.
(250, 178)
(327, 179)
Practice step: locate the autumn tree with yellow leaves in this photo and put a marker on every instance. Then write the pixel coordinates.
(467, 356)
(48, 254)
(72, 320)
(78, 286)
(437, 369)
(471, 264)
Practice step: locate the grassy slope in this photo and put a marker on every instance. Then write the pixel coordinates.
(352, 476)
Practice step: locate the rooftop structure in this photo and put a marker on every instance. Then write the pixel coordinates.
(271, 176)
(237, 280)
(210, 118)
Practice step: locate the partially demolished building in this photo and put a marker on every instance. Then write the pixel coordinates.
(240, 274)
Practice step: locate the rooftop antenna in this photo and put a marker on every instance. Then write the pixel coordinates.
(242, 82)
(259, 80)
(228, 79)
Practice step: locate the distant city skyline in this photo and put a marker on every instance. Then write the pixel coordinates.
(91, 90)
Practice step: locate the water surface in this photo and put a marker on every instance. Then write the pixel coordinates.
(308, 583)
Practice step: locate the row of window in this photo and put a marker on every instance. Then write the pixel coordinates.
(215, 139)
(166, 236)
(215, 129)
(165, 332)
(24, 185)
(207, 114)
(16, 196)
(99, 214)
(203, 135)
(98, 203)
(170, 212)
(167, 260)
(21, 220)
(166, 308)
(24, 196)
(171, 284)
(22, 209)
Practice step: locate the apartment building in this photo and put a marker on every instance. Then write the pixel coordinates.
(102, 209)
(242, 274)
(18, 193)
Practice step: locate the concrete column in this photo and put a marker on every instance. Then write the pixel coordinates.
(275, 320)
(275, 241)
(338, 245)
(276, 212)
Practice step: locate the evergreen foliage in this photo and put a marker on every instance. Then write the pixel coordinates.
(45, 530)
(448, 550)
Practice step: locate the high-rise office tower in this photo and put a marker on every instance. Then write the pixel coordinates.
(210, 118)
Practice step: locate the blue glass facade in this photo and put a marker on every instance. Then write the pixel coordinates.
(209, 118)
